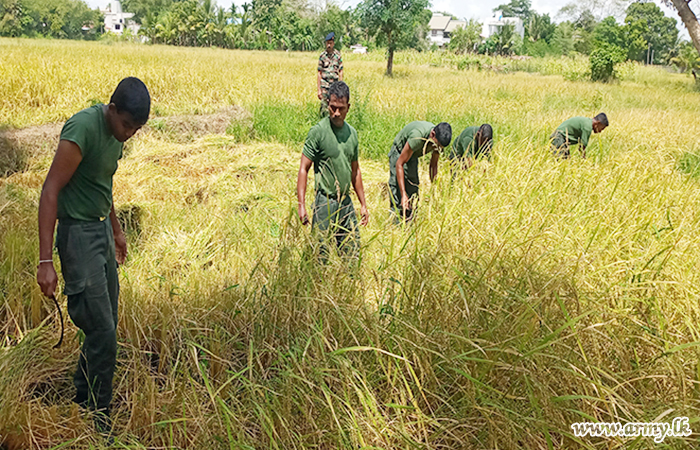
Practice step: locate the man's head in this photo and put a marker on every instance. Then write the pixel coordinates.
(128, 108)
(600, 122)
(484, 136)
(441, 135)
(338, 103)
(330, 42)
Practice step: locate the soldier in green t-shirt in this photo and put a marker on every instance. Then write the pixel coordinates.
(330, 70)
(332, 147)
(413, 141)
(472, 143)
(90, 242)
(576, 130)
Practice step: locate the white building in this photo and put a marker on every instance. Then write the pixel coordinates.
(494, 24)
(358, 48)
(117, 21)
(441, 27)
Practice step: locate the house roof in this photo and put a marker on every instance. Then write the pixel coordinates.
(439, 22)
(454, 24)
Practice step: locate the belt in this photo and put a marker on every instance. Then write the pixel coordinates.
(71, 221)
(338, 198)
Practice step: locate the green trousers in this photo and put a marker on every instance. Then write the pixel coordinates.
(560, 145)
(89, 269)
(335, 221)
(411, 182)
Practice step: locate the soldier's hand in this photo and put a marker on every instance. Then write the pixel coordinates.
(405, 204)
(303, 216)
(47, 279)
(120, 246)
(365, 216)
(320, 95)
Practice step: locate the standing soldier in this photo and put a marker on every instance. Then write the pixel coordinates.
(332, 148)
(330, 70)
(90, 242)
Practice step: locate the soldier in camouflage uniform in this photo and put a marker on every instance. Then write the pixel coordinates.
(330, 70)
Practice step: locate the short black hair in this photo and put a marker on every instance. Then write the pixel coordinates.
(132, 96)
(443, 133)
(486, 132)
(602, 118)
(340, 90)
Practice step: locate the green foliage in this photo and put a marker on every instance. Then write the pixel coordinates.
(62, 19)
(603, 60)
(505, 42)
(689, 163)
(539, 48)
(563, 39)
(392, 22)
(539, 27)
(284, 122)
(609, 32)
(465, 40)
(516, 8)
(648, 27)
(469, 62)
(686, 58)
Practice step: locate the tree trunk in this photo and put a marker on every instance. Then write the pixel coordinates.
(390, 62)
(390, 49)
(689, 20)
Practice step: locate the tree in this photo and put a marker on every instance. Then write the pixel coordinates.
(465, 39)
(583, 32)
(540, 27)
(686, 58)
(598, 8)
(603, 60)
(563, 39)
(609, 32)
(144, 9)
(11, 18)
(646, 21)
(392, 22)
(505, 42)
(688, 18)
(333, 18)
(516, 8)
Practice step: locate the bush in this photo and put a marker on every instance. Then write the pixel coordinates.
(603, 60)
(469, 62)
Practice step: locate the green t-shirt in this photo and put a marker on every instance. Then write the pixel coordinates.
(576, 130)
(416, 134)
(88, 194)
(464, 143)
(332, 151)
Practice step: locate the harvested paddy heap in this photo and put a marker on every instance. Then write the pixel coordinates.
(529, 294)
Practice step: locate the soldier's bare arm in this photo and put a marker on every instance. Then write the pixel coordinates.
(302, 178)
(64, 165)
(360, 190)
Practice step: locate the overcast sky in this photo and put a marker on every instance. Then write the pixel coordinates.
(468, 9)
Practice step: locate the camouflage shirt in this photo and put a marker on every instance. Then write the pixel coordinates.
(330, 67)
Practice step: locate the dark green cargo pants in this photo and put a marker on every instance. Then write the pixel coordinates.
(89, 269)
(411, 182)
(335, 220)
(560, 145)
